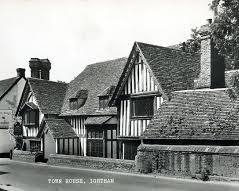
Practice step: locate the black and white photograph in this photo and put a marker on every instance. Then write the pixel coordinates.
(119, 95)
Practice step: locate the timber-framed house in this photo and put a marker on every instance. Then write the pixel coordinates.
(150, 75)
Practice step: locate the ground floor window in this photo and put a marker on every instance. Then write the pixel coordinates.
(95, 148)
(101, 142)
(35, 146)
(69, 146)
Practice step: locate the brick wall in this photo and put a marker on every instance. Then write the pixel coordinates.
(92, 162)
(188, 160)
(25, 156)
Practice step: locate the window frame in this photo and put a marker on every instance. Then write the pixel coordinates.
(28, 114)
(103, 102)
(133, 105)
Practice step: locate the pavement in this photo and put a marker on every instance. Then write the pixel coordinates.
(20, 176)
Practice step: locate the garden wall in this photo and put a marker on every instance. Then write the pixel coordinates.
(188, 160)
(92, 162)
(25, 156)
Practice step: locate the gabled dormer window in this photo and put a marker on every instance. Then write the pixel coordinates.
(105, 96)
(103, 102)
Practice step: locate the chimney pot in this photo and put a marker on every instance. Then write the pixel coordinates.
(21, 72)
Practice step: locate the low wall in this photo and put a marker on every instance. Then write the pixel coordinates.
(92, 162)
(25, 156)
(188, 160)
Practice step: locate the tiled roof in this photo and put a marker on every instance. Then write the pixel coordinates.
(29, 104)
(108, 91)
(175, 46)
(211, 114)
(174, 69)
(6, 84)
(95, 78)
(49, 94)
(59, 128)
(97, 120)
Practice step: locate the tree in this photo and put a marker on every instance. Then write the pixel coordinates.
(225, 32)
(225, 28)
(192, 45)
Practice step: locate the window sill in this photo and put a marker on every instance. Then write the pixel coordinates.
(141, 117)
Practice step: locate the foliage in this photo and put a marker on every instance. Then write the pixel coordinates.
(225, 32)
(225, 28)
(192, 45)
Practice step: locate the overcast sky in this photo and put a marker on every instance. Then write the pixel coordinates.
(75, 33)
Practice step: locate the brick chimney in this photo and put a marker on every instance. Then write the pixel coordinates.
(20, 72)
(40, 68)
(212, 65)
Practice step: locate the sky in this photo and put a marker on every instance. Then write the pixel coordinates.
(75, 33)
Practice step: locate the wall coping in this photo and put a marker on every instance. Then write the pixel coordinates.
(191, 148)
(21, 152)
(93, 159)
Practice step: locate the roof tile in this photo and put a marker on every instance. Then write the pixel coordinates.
(95, 78)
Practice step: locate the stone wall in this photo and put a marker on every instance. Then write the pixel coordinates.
(188, 160)
(25, 156)
(92, 162)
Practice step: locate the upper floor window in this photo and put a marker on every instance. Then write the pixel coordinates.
(104, 97)
(30, 118)
(103, 102)
(142, 107)
(78, 100)
(73, 103)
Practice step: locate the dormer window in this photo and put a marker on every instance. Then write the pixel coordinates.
(78, 100)
(73, 103)
(105, 96)
(103, 102)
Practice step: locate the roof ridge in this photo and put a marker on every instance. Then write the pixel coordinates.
(168, 48)
(106, 61)
(37, 79)
(9, 79)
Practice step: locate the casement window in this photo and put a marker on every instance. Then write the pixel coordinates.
(95, 143)
(73, 103)
(30, 118)
(142, 106)
(30, 121)
(101, 143)
(78, 100)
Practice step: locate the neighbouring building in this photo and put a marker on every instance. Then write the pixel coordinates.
(150, 75)
(86, 108)
(10, 94)
(39, 108)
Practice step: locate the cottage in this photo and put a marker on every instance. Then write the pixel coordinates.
(197, 130)
(10, 93)
(39, 108)
(150, 75)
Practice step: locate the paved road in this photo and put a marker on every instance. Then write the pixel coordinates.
(34, 177)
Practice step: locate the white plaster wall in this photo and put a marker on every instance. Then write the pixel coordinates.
(6, 141)
(50, 145)
(10, 102)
